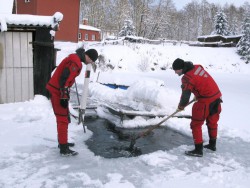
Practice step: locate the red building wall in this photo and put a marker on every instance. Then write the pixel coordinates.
(26, 8)
(69, 26)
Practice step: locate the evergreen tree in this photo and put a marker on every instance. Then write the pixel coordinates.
(233, 27)
(243, 46)
(128, 29)
(220, 24)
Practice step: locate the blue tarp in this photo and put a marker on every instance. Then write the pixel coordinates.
(114, 86)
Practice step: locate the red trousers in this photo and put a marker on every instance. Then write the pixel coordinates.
(61, 119)
(209, 112)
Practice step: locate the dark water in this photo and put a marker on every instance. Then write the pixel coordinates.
(111, 142)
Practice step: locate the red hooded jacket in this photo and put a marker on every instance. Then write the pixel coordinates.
(65, 74)
(201, 84)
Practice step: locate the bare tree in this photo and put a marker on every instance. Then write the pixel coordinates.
(155, 19)
(206, 18)
(158, 21)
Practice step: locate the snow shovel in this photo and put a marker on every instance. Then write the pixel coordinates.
(145, 133)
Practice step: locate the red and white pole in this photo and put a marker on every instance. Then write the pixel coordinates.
(83, 104)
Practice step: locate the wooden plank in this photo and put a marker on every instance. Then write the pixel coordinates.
(30, 51)
(30, 64)
(122, 110)
(5, 43)
(17, 81)
(17, 49)
(8, 50)
(27, 66)
(3, 85)
(25, 84)
(2, 70)
(133, 113)
(10, 85)
(3, 75)
(24, 50)
(2, 49)
(31, 83)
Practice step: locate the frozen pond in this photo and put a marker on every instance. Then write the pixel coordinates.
(111, 142)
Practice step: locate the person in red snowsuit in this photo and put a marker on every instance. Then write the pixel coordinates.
(207, 107)
(59, 85)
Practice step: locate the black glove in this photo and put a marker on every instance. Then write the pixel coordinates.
(64, 103)
(64, 92)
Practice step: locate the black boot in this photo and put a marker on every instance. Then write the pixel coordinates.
(197, 152)
(70, 144)
(65, 151)
(211, 145)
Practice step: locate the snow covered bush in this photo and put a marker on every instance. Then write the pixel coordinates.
(128, 29)
(144, 64)
(243, 46)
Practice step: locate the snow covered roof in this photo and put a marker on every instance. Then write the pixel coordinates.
(232, 36)
(211, 36)
(87, 27)
(29, 20)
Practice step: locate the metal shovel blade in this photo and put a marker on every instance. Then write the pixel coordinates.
(132, 144)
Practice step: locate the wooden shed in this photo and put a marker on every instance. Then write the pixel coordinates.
(27, 55)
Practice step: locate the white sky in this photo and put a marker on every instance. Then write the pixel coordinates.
(179, 4)
(6, 6)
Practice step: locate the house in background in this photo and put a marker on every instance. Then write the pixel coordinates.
(69, 27)
(88, 33)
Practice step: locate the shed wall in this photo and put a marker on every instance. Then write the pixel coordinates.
(16, 67)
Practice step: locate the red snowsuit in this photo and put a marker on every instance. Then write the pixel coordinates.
(207, 107)
(63, 77)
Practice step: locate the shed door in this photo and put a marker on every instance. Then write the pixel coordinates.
(16, 67)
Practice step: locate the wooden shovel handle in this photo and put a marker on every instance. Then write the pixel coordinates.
(145, 133)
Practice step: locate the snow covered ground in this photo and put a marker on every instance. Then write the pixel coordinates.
(30, 158)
